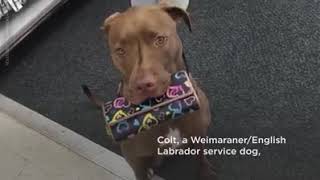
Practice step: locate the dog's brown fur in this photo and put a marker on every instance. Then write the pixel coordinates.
(144, 45)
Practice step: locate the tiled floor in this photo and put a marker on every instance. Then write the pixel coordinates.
(28, 155)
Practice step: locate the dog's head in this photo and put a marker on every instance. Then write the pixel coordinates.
(145, 48)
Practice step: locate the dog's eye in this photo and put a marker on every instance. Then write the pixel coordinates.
(120, 52)
(160, 41)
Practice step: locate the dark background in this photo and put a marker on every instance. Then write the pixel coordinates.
(258, 62)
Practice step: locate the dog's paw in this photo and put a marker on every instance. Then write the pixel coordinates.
(150, 173)
(207, 171)
(153, 176)
(156, 177)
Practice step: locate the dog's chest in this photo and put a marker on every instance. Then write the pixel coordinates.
(173, 138)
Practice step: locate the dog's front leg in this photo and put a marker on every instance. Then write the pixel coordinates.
(206, 170)
(143, 169)
(141, 166)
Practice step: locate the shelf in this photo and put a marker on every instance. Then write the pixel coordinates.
(16, 26)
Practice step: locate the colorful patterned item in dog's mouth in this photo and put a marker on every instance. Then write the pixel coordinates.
(124, 119)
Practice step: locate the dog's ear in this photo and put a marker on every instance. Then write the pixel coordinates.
(178, 14)
(106, 24)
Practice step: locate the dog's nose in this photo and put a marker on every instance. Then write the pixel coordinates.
(147, 85)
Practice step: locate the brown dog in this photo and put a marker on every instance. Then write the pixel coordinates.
(146, 49)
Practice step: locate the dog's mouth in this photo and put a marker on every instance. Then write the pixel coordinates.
(136, 97)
